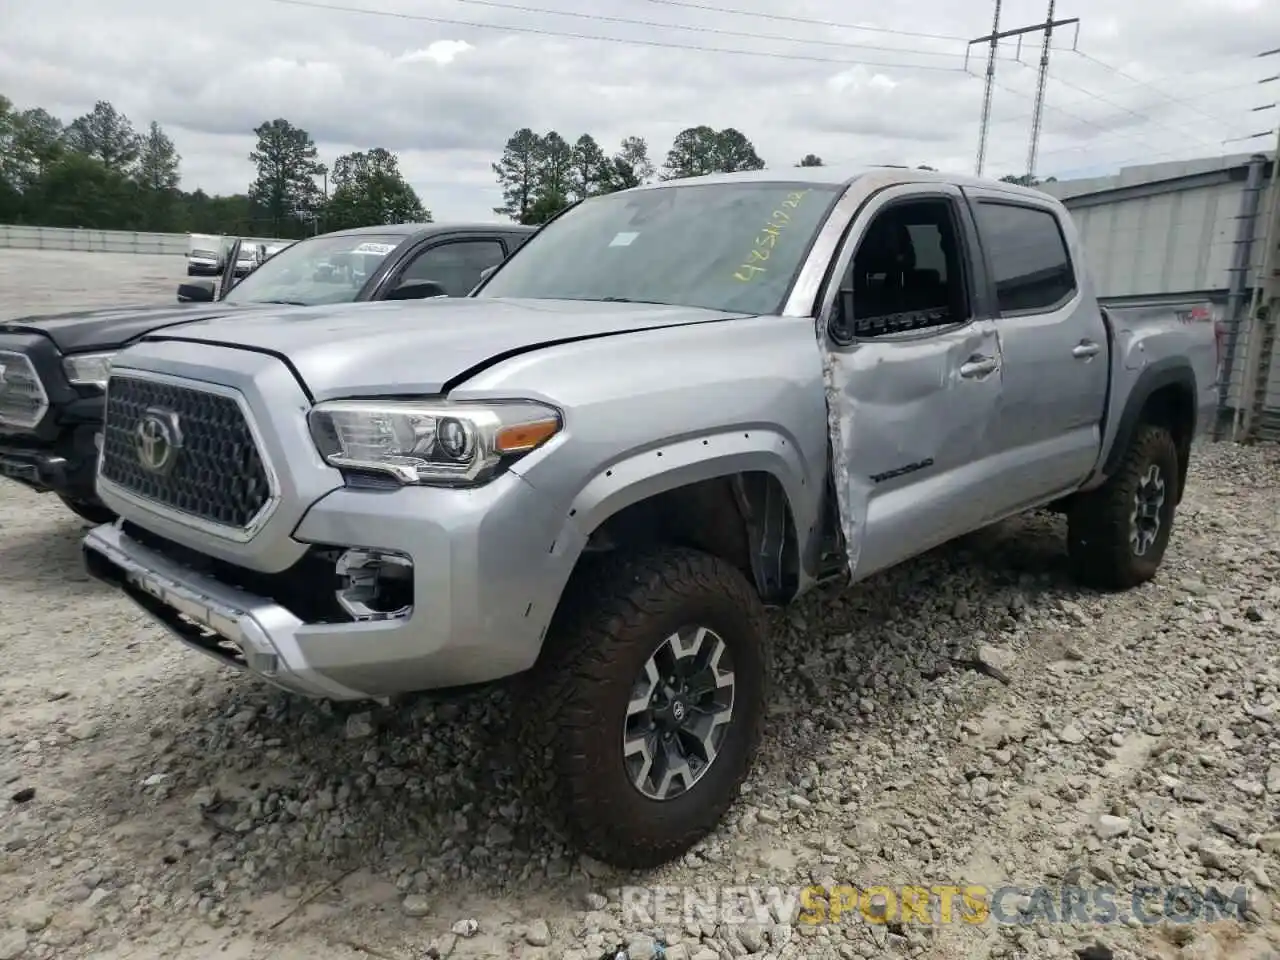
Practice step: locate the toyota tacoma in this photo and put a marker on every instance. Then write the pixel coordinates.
(674, 406)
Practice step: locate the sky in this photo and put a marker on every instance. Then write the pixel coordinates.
(444, 83)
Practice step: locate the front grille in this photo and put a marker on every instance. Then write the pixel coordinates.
(215, 471)
(23, 402)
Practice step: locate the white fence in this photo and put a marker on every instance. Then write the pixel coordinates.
(103, 241)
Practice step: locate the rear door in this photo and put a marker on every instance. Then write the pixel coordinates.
(1053, 341)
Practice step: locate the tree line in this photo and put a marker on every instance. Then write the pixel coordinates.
(99, 172)
(541, 174)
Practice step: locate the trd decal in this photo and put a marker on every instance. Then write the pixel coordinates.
(900, 471)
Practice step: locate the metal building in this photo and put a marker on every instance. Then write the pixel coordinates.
(1186, 234)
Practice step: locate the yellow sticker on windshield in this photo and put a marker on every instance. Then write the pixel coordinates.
(768, 238)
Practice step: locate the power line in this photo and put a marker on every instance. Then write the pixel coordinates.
(1074, 116)
(633, 41)
(1119, 106)
(1145, 83)
(787, 18)
(692, 28)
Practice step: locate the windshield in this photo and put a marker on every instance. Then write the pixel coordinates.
(735, 247)
(316, 271)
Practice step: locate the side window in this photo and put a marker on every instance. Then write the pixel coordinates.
(455, 265)
(1028, 257)
(906, 275)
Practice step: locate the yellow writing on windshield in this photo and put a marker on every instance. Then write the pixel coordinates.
(764, 244)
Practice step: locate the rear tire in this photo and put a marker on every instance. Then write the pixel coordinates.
(599, 704)
(94, 513)
(1117, 534)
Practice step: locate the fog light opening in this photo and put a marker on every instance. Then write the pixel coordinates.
(374, 584)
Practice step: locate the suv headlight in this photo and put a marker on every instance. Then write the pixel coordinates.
(89, 369)
(431, 443)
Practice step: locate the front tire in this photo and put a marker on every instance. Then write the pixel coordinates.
(1117, 534)
(94, 513)
(633, 768)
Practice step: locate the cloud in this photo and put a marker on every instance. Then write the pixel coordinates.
(1150, 81)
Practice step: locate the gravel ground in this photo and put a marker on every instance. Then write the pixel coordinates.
(969, 718)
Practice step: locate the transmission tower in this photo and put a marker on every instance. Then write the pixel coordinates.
(1037, 115)
(992, 39)
(986, 94)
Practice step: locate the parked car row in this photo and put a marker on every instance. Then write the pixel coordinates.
(48, 441)
(207, 255)
(669, 408)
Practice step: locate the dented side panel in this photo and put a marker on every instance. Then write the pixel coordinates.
(910, 436)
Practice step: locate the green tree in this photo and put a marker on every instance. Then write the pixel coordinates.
(369, 189)
(692, 153)
(1024, 180)
(555, 178)
(10, 194)
(590, 172)
(631, 164)
(284, 193)
(697, 151)
(735, 152)
(810, 160)
(518, 172)
(37, 143)
(157, 176)
(78, 190)
(106, 135)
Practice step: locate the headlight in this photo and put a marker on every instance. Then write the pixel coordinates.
(89, 369)
(433, 443)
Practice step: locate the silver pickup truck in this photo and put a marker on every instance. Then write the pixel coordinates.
(673, 407)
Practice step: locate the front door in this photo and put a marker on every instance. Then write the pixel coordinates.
(914, 377)
(1054, 343)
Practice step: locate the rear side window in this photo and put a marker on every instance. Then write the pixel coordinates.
(1028, 256)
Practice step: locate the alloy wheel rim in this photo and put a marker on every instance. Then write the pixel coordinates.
(1148, 504)
(680, 711)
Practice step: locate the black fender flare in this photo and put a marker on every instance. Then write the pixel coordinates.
(1170, 371)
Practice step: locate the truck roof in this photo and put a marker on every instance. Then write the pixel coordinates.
(845, 174)
(411, 229)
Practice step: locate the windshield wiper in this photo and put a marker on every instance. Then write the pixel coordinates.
(285, 303)
(656, 303)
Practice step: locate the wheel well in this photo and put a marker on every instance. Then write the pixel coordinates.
(1173, 407)
(744, 518)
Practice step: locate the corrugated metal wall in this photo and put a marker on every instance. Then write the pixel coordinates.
(1167, 243)
(1167, 232)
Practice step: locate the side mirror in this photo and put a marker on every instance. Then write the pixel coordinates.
(841, 327)
(488, 271)
(196, 291)
(417, 290)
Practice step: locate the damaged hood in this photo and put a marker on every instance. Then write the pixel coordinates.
(112, 328)
(423, 347)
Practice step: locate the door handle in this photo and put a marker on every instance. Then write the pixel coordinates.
(1084, 349)
(978, 366)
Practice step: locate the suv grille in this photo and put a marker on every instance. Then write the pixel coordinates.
(214, 470)
(23, 402)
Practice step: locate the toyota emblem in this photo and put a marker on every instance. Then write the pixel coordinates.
(158, 440)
